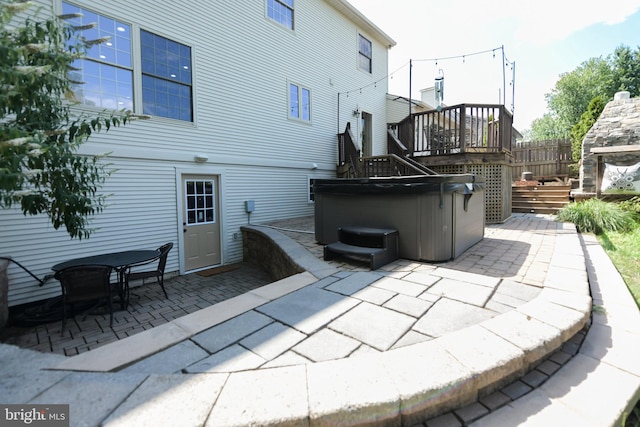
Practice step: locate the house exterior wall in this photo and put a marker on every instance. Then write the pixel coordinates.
(398, 108)
(242, 65)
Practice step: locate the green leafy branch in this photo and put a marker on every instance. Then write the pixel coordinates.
(40, 132)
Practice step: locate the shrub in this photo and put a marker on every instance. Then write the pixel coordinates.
(597, 216)
(40, 133)
(632, 205)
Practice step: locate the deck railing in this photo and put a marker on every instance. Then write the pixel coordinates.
(457, 129)
(348, 152)
(394, 146)
(392, 165)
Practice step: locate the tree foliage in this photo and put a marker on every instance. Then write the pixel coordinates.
(580, 129)
(546, 127)
(625, 71)
(573, 91)
(595, 77)
(587, 120)
(40, 132)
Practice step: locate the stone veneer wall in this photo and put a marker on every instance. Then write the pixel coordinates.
(260, 250)
(619, 124)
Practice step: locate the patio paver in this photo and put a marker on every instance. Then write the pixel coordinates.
(420, 377)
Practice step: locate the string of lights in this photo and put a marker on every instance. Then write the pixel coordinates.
(505, 63)
(390, 75)
(463, 57)
(435, 61)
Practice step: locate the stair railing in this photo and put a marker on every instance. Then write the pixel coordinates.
(392, 165)
(348, 152)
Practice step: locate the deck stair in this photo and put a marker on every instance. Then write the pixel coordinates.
(379, 246)
(542, 199)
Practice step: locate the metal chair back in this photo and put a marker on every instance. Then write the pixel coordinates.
(85, 283)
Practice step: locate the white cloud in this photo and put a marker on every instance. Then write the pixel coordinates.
(535, 22)
(546, 21)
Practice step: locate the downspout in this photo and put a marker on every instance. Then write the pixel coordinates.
(338, 114)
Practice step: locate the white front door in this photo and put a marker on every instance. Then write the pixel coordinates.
(201, 221)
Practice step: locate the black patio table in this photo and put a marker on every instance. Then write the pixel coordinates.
(119, 261)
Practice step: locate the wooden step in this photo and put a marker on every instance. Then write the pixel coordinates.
(542, 189)
(537, 210)
(543, 199)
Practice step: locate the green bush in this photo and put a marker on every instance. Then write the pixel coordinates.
(597, 216)
(40, 130)
(632, 205)
(587, 120)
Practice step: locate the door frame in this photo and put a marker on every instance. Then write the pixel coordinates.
(366, 131)
(221, 212)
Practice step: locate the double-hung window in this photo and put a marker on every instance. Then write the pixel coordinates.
(106, 73)
(107, 76)
(166, 77)
(364, 53)
(299, 102)
(281, 11)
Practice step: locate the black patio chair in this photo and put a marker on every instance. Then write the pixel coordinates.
(158, 273)
(85, 284)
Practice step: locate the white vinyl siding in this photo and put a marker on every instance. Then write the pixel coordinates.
(240, 95)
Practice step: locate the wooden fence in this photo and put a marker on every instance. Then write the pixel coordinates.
(547, 160)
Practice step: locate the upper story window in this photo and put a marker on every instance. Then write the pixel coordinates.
(281, 11)
(364, 53)
(109, 77)
(166, 77)
(106, 72)
(299, 103)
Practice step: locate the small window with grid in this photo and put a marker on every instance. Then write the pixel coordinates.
(281, 11)
(312, 196)
(365, 53)
(200, 197)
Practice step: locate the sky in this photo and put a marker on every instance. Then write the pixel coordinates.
(540, 40)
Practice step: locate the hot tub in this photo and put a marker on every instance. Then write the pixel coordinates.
(438, 217)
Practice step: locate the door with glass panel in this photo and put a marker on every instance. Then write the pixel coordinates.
(201, 221)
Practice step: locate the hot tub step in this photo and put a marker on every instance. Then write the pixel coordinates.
(378, 245)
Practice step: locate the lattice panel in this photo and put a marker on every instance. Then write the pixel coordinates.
(497, 187)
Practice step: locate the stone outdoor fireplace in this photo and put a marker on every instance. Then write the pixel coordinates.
(615, 140)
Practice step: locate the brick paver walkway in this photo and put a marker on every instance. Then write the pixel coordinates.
(148, 308)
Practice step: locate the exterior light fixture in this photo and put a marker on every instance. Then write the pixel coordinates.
(201, 158)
